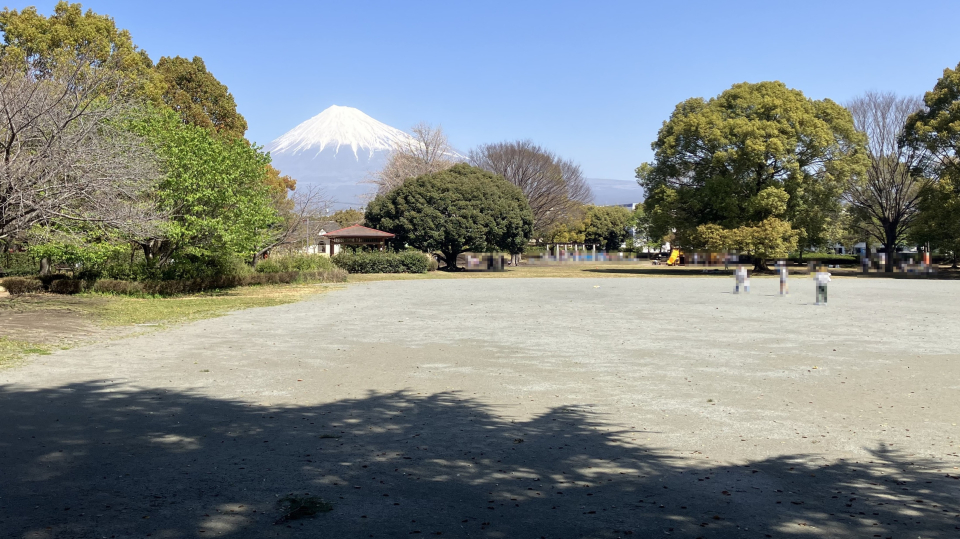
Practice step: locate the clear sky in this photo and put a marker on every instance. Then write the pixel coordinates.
(592, 81)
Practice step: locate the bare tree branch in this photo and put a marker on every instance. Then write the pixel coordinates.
(66, 155)
(426, 152)
(554, 187)
(887, 199)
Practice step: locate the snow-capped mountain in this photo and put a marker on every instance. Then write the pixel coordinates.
(339, 149)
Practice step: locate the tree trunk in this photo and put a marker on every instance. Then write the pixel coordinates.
(44, 266)
(889, 247)
(760, 264)
(954, 266)
(450, 259)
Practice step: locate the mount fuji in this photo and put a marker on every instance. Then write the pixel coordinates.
(339, 150)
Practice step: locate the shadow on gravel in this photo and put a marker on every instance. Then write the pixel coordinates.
(98, 460)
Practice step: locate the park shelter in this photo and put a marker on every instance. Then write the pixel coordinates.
(355, 235)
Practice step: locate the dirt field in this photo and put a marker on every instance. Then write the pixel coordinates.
(505, 408)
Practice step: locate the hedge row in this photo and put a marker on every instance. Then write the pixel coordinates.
(22, 285)
(380, 262)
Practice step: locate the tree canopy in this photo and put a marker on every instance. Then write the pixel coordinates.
(554, 187)
(755, 152)
(936, 127)
(459, 209)
(198, 97)
(69, 34)
(213, 190)
(607, 225)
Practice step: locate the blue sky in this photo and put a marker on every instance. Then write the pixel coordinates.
(592, 81)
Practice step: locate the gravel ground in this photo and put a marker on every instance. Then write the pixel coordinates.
(505, 408)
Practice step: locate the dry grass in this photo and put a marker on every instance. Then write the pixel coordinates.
(13, 350)
(114, 316)
(567, 270)
(125, 311)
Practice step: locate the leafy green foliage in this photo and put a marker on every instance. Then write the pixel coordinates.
(607, 225)
(455, 210)
(213, 190)
(936, 127)
(381, 262)
(347, 217)
(295, 262)
(938, 222)
(46, 41)
(754, 152)
(198, 97)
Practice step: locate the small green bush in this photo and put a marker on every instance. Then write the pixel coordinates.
(294, 262)
(268, 266)
(67, 286)
(114, 286)
(380, 262)
(21, 285)
(192, 286)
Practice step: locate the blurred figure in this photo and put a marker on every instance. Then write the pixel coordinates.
(822, 277)
(742, 278)
(782, 270)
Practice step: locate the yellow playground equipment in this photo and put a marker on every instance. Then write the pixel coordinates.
(674, 257)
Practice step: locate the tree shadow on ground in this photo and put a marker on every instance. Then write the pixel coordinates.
(102, 460)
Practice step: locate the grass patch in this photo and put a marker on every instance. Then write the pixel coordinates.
(11, 350)
(127, 311)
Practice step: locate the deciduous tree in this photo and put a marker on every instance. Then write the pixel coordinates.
(554, 187)
(66, 155)
(885, 200)
(213, 190)
(428, 151)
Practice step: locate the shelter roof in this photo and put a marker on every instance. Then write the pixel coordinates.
(358, 231)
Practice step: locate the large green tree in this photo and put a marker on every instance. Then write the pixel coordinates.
(606, 225)
(938, 219)
(936, 128)
(452, 211)
(70, 33)
(198, 97)
(213, 191)
(754, 152)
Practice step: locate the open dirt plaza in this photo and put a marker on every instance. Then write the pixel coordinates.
(557, 408)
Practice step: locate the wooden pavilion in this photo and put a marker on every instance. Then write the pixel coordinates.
(354, 235)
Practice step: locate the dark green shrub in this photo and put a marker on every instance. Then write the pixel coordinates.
(21, 285)
(380, 262)
(192, 286)
(67, 286)
(48, 280)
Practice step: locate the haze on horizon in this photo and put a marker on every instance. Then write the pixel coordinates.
(591, 82)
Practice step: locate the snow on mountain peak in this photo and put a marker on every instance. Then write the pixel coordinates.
(338, 127)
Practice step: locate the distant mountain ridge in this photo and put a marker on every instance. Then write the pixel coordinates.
(314, 153)
(342, 148)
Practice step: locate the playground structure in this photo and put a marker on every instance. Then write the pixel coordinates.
(674, 259)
